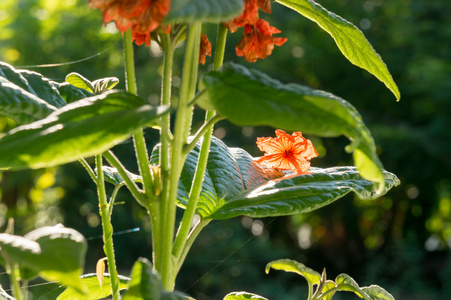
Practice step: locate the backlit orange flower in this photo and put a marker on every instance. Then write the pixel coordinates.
(142, 16)
(257, 41)
(205, 48)
(286, 152)
(248, 16)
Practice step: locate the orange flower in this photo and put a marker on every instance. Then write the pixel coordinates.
(286, 152)
(257, 41)
(205, 48)
(142, 16)
(248, 16)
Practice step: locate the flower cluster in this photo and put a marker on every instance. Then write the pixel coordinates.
(286, 152)
(257, 41)
(142, 16)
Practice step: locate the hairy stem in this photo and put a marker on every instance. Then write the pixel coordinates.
(108, 246)
(181, 132)
(15, 280)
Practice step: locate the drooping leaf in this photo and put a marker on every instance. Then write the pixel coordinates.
(346, 283)
(243, 296)
(234, 185)
(289, 265)
(95, 290)
(55, 253)
(291, 107)
(83, 128)
(203, 10)
(113, 176)
(328, 285)
(79, 81)
(375, 292)
(349, 39)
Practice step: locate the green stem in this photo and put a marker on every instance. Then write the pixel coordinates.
(88, 169)
(25, 289)
(165, 164)
(207, 126)
(181, 132)
(206, 131)
(15, 281)
(130, 77)
(108, 246)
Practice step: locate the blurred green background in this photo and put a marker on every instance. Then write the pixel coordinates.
(400, 241)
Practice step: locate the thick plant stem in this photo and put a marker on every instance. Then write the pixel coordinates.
(196, 187)
(108, 246)
(165, 163)
(181, 132)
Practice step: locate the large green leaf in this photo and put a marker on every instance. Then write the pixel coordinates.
(203, 10)
(234, 185)
(347, 283)
(264, 101)
(55, 253)
(292, 266)
(349, 39)
(83, 128)
(95, 291)
(21, 105)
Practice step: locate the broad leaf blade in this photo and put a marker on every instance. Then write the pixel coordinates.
(71, 93)
(203, 10)
(95, 290)
(349, 39)
(234, 185)
(20, 105)
(292, 107)
(104, 84)
(292, 266)
(55, 253)
(81, 129)
(145, 283)
(375, 292)
(44, 88)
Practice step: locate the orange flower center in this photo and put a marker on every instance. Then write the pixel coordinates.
(288, 153)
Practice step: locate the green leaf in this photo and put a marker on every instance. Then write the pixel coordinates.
(243, 296)
(71, 93)
(79, 81)
(113, 176)
(21, 105)
(104, 84)
(349, 39)
(43, 88)
(265, 101)
(234, 185)
(292, 266)
(81, 129)
(203, 10)
(347, 283)
(375, 292)
(55, 253)
(328, 285)
(95, 290)
(145, 283)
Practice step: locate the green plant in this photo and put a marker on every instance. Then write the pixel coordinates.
(70, 121)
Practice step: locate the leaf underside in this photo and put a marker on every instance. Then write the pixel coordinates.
(214, 11)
